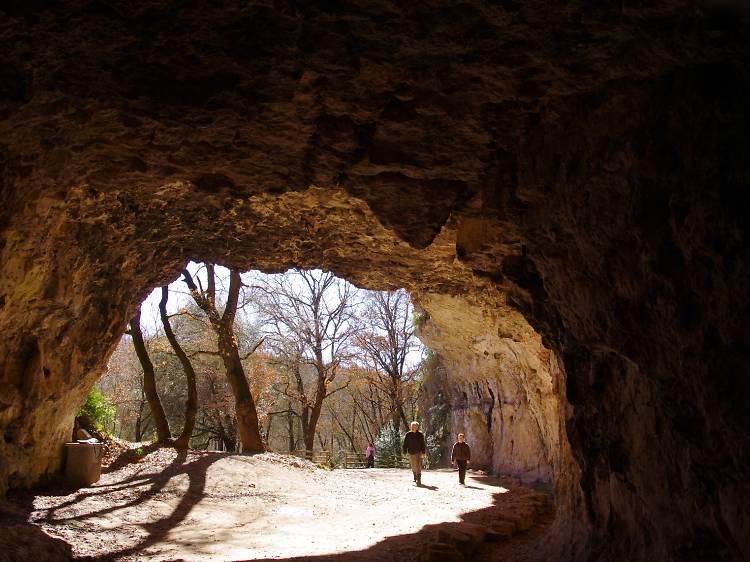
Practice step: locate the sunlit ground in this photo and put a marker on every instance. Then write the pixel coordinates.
(216, 506)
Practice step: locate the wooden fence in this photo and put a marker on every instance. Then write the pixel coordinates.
(352, 460)
(358, 460)
(355, 460)
(396, 461)
(318, 457)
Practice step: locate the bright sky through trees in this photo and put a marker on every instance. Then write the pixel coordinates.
(179, 298)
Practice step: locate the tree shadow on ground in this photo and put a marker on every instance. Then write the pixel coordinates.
(195, 470)
(157, 530)
(155, 480)
(138, 479)
(398, 547)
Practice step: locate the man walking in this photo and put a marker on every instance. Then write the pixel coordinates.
(415, 445)
(461, 456)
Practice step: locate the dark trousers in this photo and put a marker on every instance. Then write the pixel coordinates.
(461, 471)
(370, 462)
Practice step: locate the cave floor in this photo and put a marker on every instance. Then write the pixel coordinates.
(219, 506)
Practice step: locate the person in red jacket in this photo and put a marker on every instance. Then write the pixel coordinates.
(461, 456)
(370, 454)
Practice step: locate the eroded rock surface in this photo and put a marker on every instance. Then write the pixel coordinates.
(583, 164)
(503, 388)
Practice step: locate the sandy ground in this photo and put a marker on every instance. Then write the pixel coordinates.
(219, 506)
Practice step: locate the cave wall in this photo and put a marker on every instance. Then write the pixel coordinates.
(583, 164)
(506, 391)
(649, 322)
(502, 387)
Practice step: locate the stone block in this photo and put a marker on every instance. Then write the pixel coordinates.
(475, 531)
(495, 536)
(505, 528)
(463, 542)
(442, 552)
(525, 518)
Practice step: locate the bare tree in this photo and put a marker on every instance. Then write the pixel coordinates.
(216, 423)
(309, 317)
(223, 326)
(191, 404)
(387, 345)
(289, 414)
(163, 433)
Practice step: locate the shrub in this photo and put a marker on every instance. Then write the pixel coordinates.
(419, 318)
(428, 364)
(437, 416)
(338, 459)
(98, 408)
(388, 441)
(434, 450)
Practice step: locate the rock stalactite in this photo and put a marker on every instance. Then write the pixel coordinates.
(563, 186)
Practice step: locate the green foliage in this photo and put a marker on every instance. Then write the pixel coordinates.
(419, 318)
(140, 451)
(434, 450)
(338, 459)
(388, 441)
(429, 362)
(99, 409)
(437, 416)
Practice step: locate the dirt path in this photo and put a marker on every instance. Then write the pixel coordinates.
(216, 506)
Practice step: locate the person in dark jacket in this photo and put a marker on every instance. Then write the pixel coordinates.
(415, 445)
(461, 456)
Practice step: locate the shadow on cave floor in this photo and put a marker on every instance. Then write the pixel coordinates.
(428, 543)
(150, 509)
(142, 482)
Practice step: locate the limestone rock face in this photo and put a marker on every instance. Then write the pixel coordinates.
(578, 170)
(503, 388)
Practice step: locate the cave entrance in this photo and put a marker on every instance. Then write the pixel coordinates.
(501, 386)
(449, 389)
(331, 367)
(498, 371)
(365, 373)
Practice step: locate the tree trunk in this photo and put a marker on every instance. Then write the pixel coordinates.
(349, 435)
(398, 416)
(247, 416)
(223, 326)
(395, 413)
(191, 404)
(138, 433)
(306, 427)
(149, 381)
(290, 429)
(312, 422)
